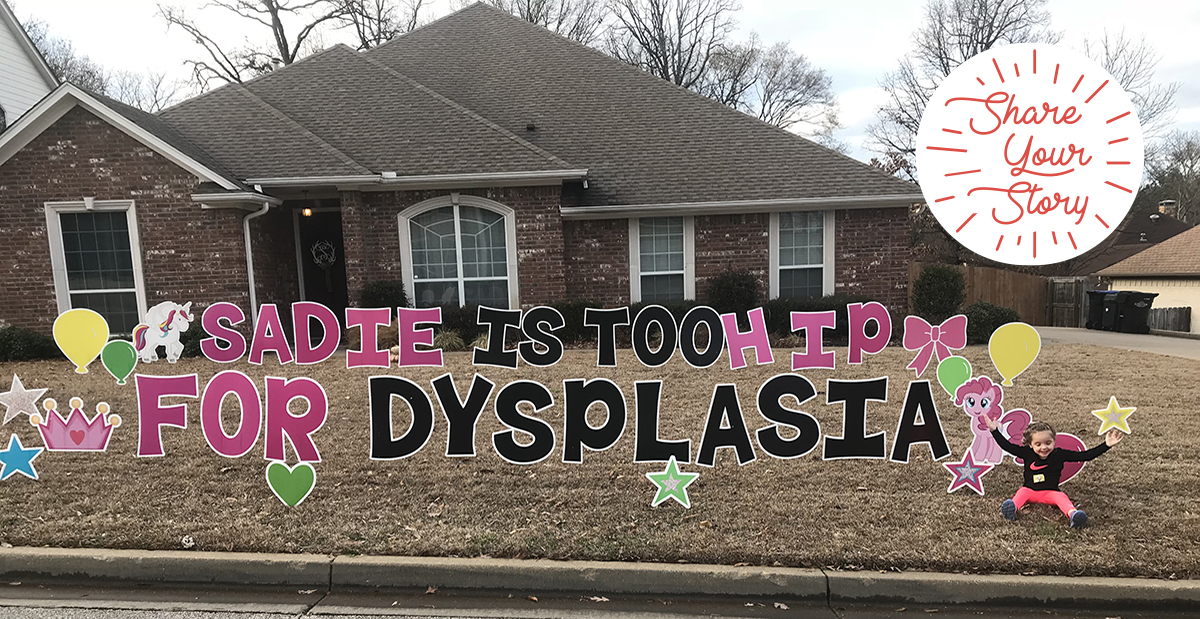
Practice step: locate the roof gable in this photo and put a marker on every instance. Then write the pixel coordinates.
(644, 140)
(139, 125)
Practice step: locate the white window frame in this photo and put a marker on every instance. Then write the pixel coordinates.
(404, 218)
(827, 272)
(58, 257)
(635, 258)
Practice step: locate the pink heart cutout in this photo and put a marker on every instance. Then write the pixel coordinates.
(77, 436)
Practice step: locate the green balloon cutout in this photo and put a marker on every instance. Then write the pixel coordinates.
(119, 358)
(952, 373)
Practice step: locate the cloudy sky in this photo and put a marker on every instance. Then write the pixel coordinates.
(856, 41)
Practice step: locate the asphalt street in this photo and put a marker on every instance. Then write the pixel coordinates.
(33, 601)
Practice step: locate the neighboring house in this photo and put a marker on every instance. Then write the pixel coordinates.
(1171, 269)
(479, 159)
(24, 75)
(1137, 233)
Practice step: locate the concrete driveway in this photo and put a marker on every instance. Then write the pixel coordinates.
(1158, 344)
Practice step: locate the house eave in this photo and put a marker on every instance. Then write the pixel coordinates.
(1149, 275)
(727, 207)
(244, 200)
(384, 182)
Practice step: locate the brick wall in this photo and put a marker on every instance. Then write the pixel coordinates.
(274, 239)
(872, 251)
(188, 253)
(871, 254)
(597, 260)
(353, 231)
(732, 243)
(373, 253)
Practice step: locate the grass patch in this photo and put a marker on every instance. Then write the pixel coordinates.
(1142, 497)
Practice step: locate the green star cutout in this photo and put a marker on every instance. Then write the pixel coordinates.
(672, 484)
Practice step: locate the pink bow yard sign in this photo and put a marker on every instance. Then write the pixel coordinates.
(921, 336)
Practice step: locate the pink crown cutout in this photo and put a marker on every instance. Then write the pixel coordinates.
(76, 432)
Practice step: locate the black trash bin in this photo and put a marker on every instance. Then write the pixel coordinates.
(1095, 315)
(1135, 312)
(1112, 310)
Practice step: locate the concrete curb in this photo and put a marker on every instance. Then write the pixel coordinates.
(344, 574)
(579, 576)
(233, 568)
(1050, 591)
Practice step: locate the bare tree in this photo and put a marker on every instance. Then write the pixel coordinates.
(241, 63)
(1173, 173)
(673, 39)
(791, 90)
(67, 64)
(733, 71)
(578, 20)
(151, 92)
(1133, 63)
(954, 31)
(376, 22)
(776, 85)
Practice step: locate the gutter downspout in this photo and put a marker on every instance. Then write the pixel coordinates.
(250, 260)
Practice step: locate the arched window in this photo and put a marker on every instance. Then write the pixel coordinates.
(459, 250)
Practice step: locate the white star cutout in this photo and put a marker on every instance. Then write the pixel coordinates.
(19, 400)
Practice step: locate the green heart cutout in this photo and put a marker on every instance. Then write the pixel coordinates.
(292, 484)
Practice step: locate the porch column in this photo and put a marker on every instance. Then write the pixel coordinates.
(353, 231)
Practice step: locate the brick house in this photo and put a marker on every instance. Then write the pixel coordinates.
(479, 159)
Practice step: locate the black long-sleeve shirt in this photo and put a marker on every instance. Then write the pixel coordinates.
(1044, 474)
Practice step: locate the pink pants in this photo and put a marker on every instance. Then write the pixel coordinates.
(1049, 497)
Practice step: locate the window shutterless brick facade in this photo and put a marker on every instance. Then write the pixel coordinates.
(188, 253)
(195, 254)
(372, 238)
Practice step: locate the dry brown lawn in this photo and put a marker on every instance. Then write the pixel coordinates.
(1142, 496)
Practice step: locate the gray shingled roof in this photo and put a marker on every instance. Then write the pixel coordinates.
(255, 139)
(347, 104)
(456, 97)
(169, 134)
(642, 139)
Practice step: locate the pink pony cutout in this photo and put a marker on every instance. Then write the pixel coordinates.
(981, 398)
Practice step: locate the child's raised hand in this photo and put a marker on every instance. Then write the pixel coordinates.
(991, 423)
(1113, 437)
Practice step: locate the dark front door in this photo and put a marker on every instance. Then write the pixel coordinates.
(323, 261)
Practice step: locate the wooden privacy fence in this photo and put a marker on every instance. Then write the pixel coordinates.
(1171, 318)
(1068, 300)
(1024, 293)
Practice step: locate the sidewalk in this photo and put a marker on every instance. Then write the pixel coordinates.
(1161, 345)
(346, 574)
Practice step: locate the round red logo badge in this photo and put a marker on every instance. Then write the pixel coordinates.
(1029, 154)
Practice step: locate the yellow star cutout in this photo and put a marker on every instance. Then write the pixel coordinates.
(1114, 416)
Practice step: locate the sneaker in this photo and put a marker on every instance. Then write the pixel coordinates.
(1078, 519)
(1008, 509)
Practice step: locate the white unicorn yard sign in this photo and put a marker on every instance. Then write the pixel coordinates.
(164, 323)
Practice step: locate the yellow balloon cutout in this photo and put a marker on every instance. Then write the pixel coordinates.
(1013, 348)
(81, 334)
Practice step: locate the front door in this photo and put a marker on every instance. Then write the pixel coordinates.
(323, 261)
